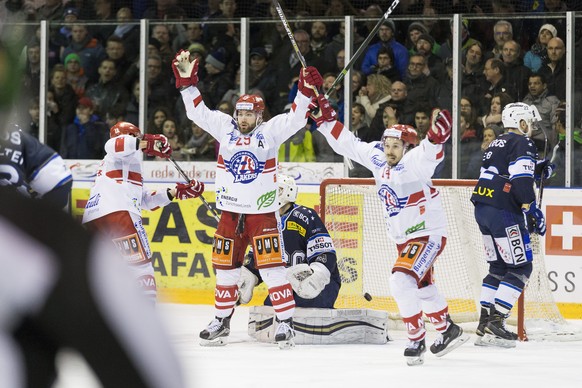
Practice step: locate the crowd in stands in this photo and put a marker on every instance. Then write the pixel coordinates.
(405, 72)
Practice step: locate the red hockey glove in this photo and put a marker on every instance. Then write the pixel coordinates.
(157, 145)
(326, 112)
(189, 190)
(185, 72)
(309, 81)
(440, 128)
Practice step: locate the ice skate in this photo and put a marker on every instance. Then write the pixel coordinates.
(414, 352)
(495, 333)
(285, 334)
(451, 339)
(216, 333)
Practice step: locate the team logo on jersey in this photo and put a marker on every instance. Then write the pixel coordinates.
(391, 201)
(267, 199)
(244, 166)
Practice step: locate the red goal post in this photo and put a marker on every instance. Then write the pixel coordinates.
(355, 220)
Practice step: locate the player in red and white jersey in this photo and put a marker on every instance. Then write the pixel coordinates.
(118, 196)
(246, 192)
(414, 216)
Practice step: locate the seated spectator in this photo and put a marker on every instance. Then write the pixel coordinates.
(104, 13)
(173, 133)
(335, 95)
(434, 64)
(421, 88)
(115, 50)
(128, 32)
(386, 35)
(502, 32)
(84, 138)
(385, 64)
(76, 74)
(88, 48)
(319, 38)
(517, 74)
(264, 77)
(64, 96)
(446, 50)
(132, 107)
(217, 80)
(337, 44)
(422, 116)
(538, 53)
(555, 70)
(192, 34)
(161, 90)
(358, 80)
(107, 93)
(54, 124)
(546, 104)
(200, 145)
(161, 33)
(415, 29)
(469, 145)
(496, 106)
(156, 121)
(375, 93)
(490, 133)
(494, 72)
(361, 129)
(467, 108)
(473, 81)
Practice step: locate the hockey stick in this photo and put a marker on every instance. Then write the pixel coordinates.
(362, 47)
(185, 176)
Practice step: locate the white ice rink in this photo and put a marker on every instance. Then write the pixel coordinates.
(248, 364)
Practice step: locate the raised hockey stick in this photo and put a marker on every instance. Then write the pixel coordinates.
(362, 47)
(185, 176)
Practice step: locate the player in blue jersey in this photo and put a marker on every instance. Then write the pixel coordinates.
(35, 169)
(502, 196)
(309, 254)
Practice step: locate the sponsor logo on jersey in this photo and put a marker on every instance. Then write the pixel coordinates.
(484, 191)
(267, 199)
(392, 203)
(244, 166)
(319, 244)
(301, 216)
(427, 257)
(292, 225)
(415, 228)
(516, 244)
(498, 143)
(377, 161)
(93, 201)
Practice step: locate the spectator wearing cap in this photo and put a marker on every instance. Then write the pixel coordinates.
(217, 81)
(85, 136)
(446, 49)
(88, 48)
(75, 74)
(538, 53)
(386, 34)
(434, 64)
(415, 30)
(70, 16)
(263, 77)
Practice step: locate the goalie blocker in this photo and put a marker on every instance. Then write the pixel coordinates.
(315, 326)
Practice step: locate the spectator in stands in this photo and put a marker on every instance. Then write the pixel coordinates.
(434, 64)
(446, 50)
(160, 90)
(555, 70)
(132, 107)
(161, 32)
(264, 77)
(105, 14)
(374, 94)
(422, 88)
(217, 81)
(502, 32)
(335, 95)
(445, 93)
(538, 53)
(517, 73)
(191, 35)
(415, 29)
(115, 50)
(385, 64)
(299, 147)
(88, 48)
(31, 76)
(225, 35)
(337, 44)
(173, 133)
(64, 95)
(51, 10)
(340, 61)
(129, 33)
(107, 93)
(160, 10)
(469, 145)
(468, 109)
(422, 116)
(157, 118)
(559, 178)
(498, 102)
(403, 105)
(76, 74)
(70, 17)
(84, 138)
(494, 72)
(546, 104)
(361, 129)
(473, 81)
(386, 35)
(200, 145)
(319, 38)
(490, 133)
(359, 79)
(54, 125)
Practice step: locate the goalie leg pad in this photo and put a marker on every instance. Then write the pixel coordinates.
(314, 326)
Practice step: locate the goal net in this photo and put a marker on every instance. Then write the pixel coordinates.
(354, 217)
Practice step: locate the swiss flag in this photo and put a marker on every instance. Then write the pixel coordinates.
(564, 235)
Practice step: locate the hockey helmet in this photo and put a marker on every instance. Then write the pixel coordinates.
(514, 113)
(250, 102)
(404, 132)
(287, 189)
(124, 128)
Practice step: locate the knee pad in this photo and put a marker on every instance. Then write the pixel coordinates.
(274, 276)
(227, 277)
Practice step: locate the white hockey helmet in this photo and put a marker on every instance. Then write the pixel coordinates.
(287, 189)
(514, 113)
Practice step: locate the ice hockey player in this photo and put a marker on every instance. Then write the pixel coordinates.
(118, 196)
(246, 193)
(502, 196)
(312, 270)
(414, 216)
(35, 169)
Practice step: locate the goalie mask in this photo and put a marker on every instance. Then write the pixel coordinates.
(253, 103)
(287, 192)
(125, 128)
(520, 116)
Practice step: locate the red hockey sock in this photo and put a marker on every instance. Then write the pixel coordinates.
(225, 298)
(283, 301)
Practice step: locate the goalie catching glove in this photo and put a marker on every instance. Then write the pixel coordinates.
(157, 145)
(193, 189)
(308, 280)
(440, 127)
(185, 72)
(246, 285)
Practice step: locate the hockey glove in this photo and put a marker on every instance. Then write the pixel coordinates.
(326, 112)
(185, 72)
(308, 280)
(309, 81)
(440, 128)
(189, 190)
(544, 169)
(536, 222)
(246, 285)
(157, 145)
